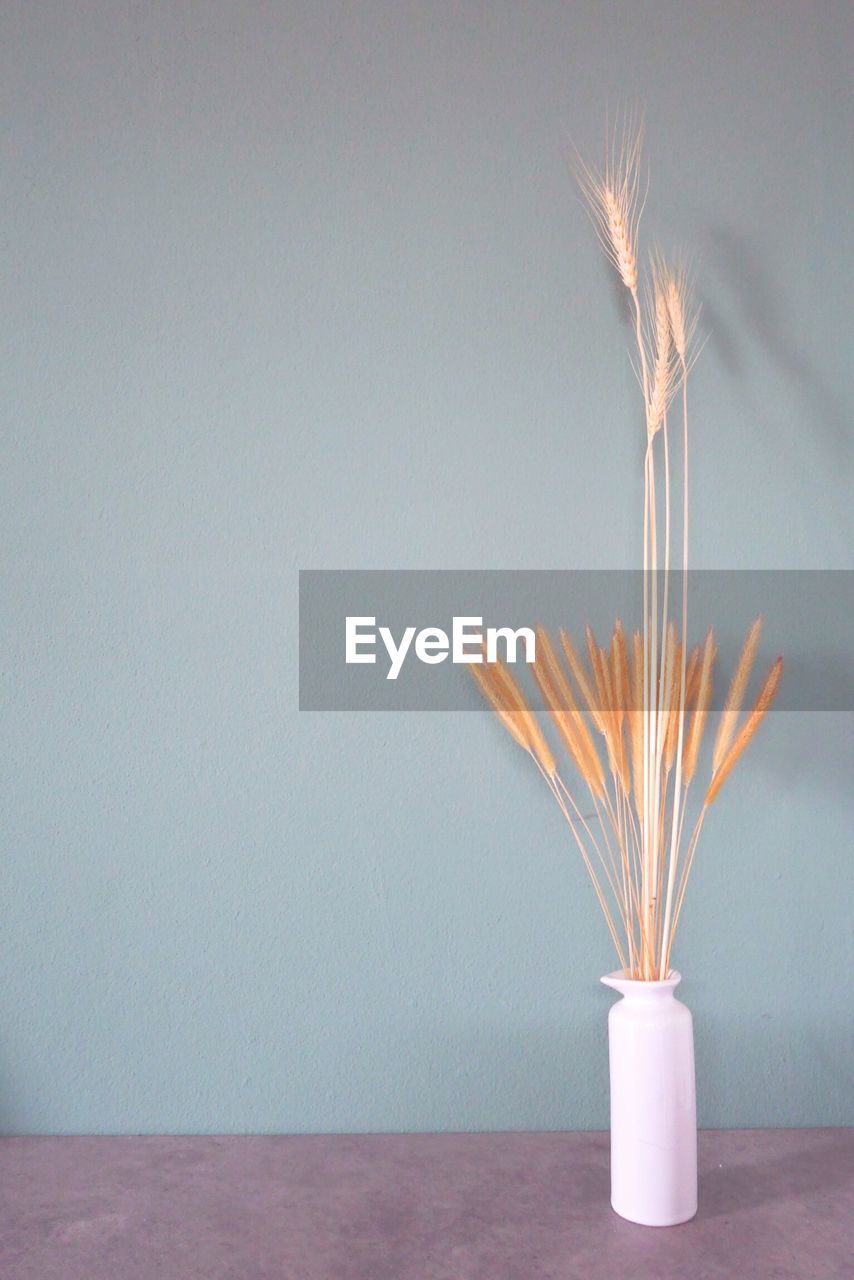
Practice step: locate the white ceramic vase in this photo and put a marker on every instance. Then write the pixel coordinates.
(653, 1103)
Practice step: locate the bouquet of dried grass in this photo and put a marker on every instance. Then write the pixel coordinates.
(645, 701)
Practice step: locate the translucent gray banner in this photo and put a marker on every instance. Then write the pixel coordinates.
(411, 621)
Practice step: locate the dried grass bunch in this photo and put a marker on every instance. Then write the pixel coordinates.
(632, 717)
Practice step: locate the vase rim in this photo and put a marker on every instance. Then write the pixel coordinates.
(620, 982)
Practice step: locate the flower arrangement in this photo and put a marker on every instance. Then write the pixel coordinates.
(632, 717)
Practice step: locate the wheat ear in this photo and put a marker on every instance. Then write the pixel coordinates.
(663, 365)
(620, 665)
(576, 666)
(600, 667)
(692, 676)
(735, 697)
(698, 720)
(512, 721)
(612, 197)
(568, 719)
(621, 683)
(615, 721)
(681, 313)
(766, 696)
(516, 698)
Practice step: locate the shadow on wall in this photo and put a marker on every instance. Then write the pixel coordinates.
(770, 1070)
(757, 299)
(812, 754)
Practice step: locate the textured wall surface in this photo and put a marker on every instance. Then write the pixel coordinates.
(307, 285)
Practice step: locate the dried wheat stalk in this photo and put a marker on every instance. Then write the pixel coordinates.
(735, 697)
(649, 701)
(766, 696)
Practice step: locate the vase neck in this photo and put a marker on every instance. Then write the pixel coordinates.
(635, 989)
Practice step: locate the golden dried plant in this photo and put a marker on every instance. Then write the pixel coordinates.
(647, 703)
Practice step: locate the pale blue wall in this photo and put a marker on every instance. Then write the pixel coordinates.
(306, 285)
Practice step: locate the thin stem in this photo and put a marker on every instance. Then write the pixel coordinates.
(676, 823)
(686, 871)
(648, 489)
(590, 871)
(593, 839)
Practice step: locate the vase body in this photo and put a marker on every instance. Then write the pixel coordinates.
(653, 1103)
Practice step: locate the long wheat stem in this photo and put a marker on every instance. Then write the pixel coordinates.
(676, 825)
(590, 870)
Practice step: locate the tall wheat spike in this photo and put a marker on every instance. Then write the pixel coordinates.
(612, 197)
(620, 664)
(681, 313)
(569, 721)
(663, 366)
(760, 708)
(701, 711)
(735, 697)
(539, 746)
(484, 677)
(576, 666)
(692, 677)
(614, 721)
(622, 695)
